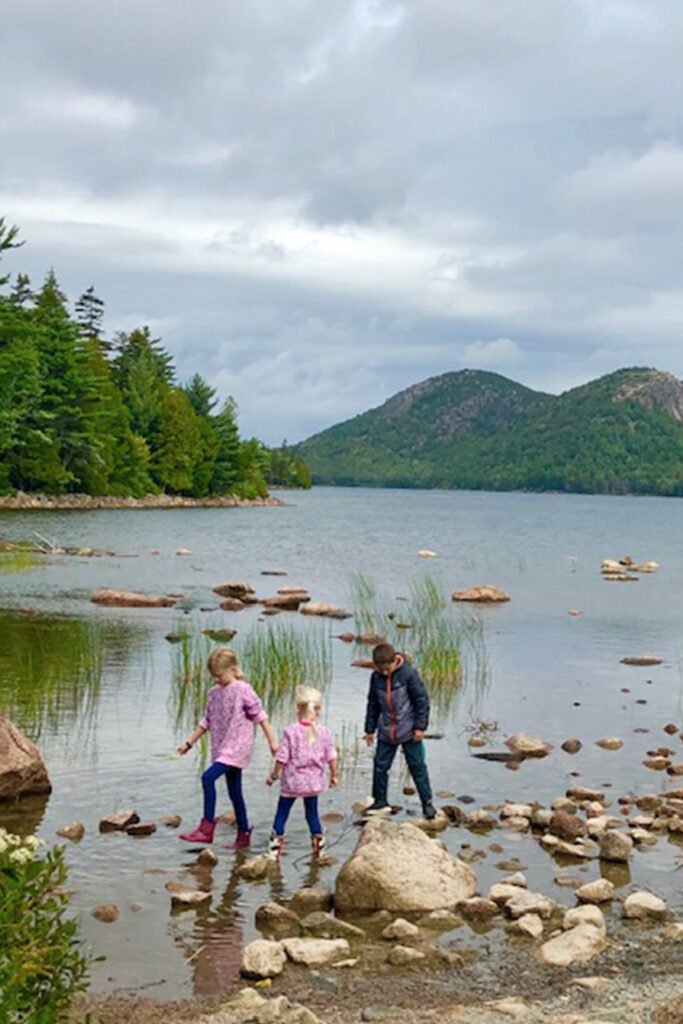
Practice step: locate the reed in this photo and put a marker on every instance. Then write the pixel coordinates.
(50, 672)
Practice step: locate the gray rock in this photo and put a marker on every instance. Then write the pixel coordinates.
(643, 905)
(263, 959)
(315, 952)
(616, 846)
(274, 918)
(397, 867)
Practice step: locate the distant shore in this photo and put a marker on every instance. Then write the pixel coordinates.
(64, 502)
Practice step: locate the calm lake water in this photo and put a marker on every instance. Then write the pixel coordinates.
(101, 690)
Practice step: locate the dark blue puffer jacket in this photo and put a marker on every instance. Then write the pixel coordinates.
(397, 706)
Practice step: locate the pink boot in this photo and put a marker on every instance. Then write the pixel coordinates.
(202, 834)
(243, 840)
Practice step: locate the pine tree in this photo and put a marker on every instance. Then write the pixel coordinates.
(226, 473)
(173, 459)
(89, 315)
(202, 396)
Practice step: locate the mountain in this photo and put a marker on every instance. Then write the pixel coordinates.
(619, 434)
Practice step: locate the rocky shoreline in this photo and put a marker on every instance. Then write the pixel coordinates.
(64, 502)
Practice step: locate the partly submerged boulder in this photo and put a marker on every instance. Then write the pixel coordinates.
(22, 770)
(485, 594)
(397, 867)
(132, 599)
(330, 611)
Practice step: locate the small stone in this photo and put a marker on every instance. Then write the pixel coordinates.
(254, 869)
(441, 920)
(578, 945)
(263, 959)
(305, 900)
(500, 893)
(455, 814)
(119, 821)
(328, 926)
(572, 746)
(106, 912)
(588, 914)
(599, 891)
(593, 984)
(315, 952)
(581, 793)
(567, 826)
(674, 932)
(671, 729)
(568, 881)
(183, 551)
(643, 904)
(517, 879)
(273, 917)
(610, 743)
(171, 820)
(616, 846)
(74, 831)
(481, 819)
(207, 858)
(401, 956)
(476, 741)
(403, 930)
(529, 903)
(528, 746)
(189, 897)
(517, 811)
(477, 908)
(529, 925)
(141, 828)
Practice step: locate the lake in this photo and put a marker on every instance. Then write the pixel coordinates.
(107, 698)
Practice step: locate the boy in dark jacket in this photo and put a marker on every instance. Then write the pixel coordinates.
(398, 709)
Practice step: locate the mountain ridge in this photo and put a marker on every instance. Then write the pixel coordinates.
(620, 433)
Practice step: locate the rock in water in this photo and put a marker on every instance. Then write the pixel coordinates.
(616, 846)
(486, 594)
(527, 746)
(22, 770)
(576, 946)
(397, 867)
(263, 959)
(132, 599)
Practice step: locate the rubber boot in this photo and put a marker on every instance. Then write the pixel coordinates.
(243, 840)
(202, 834)
(318, 844)
(275, 844)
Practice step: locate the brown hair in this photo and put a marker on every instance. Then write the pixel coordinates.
(224, 659)
(383, 654)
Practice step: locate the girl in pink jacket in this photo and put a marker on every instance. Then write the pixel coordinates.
(301, 762)
(232, 710)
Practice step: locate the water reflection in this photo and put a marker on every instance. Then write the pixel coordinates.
(24, 817)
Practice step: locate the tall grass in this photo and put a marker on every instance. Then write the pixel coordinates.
(276, 658)
(50, 672)
(445, 644)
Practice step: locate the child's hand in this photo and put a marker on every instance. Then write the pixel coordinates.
(334, 781)
(418, 734)
(369, 738)
(184, 748)
(270, 780)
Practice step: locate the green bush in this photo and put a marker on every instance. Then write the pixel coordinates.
(42, 965)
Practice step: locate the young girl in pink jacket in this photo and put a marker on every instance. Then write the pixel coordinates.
(232, 710)
(301, 761)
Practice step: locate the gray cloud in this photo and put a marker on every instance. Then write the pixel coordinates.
(317, 204)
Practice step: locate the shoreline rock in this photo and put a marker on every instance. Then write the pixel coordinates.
(64, 502)
(22, 769)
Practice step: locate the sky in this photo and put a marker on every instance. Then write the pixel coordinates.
(317, 203)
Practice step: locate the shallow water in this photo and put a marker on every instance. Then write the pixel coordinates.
(95, 687)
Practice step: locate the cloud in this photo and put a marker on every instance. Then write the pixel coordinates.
(323, 203)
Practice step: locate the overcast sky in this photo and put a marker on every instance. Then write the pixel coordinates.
(316, 203)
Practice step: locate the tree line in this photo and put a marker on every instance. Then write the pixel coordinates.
(83, 413)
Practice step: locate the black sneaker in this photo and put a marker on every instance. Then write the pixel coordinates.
(429, 811)
(376, 808)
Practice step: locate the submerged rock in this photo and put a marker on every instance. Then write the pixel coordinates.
(397, 867)
(74, 831)
(22, 770)
(106, 912)
(330, 611)
(119, 821)
(132, 599)
(485, 594)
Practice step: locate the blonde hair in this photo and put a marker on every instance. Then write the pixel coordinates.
(224, 659)
(311, 700)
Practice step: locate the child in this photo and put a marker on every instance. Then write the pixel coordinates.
(305, 751)
(232, 710)
(398, 708)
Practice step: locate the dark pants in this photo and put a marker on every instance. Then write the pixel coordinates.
(233, 777)
(284, 806)
(417, 765)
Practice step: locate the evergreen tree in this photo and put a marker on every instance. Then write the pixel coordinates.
(254, 463)
(21, 294)
(226, 472)
(202, 396)
(178, 439)
(143, 371)
(89, 314)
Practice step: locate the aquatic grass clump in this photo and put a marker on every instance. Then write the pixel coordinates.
(279, 657)
(446, 645)
(17, 559)
(50, 671)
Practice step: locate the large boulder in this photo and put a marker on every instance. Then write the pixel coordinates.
(397, 867)
(22, 770)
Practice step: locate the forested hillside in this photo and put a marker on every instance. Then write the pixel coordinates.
(622, 433)
(80, 412)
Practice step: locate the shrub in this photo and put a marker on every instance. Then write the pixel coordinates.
(42, 965)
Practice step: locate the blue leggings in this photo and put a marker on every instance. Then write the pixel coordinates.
(234, 780)
(284, 806)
